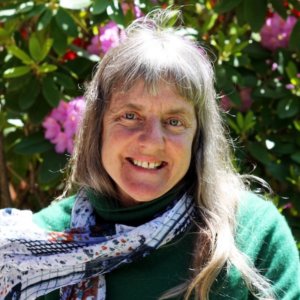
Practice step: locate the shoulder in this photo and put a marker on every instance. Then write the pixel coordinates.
(265, 237)
(57, 216)
(254, 209)
(259, 220)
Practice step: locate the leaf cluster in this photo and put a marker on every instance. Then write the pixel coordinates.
(36, 73)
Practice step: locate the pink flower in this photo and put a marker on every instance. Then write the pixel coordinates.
(60, 113)
(62, 123)
(289, 86)
(276, 31)
(131, 7)
(109, 36)
(245, 94)
(226, 103)
(274, 66)
(52, 128)
(61, 142)
(246, 101)
(137, 12)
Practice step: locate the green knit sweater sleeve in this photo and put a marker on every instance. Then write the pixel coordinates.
(57, 216)
(264, 236)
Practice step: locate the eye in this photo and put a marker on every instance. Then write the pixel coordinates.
(130, 116)
(174, 122)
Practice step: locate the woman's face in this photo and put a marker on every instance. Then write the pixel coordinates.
(147, 141)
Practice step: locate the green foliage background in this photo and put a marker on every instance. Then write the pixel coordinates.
(35, 73)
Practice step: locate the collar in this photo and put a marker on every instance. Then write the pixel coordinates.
(110, 210)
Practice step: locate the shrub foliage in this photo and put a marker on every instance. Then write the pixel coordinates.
(48, 50)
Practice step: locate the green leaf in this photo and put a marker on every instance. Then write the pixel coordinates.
(71, 4)
(8, 12)
(284, 148)
(83, 53)
(60, 43)
(37, 10)
(115, 12)
(255, 13)
(295, 3)
(226, 5)
(294, 43)
(16, 71)
(39, 110)
(47, 68)
(267, 93)
(45, 19)
(278, 171)
(50, 91)
(297, 124)
(234, 126)
(46, 47)
(25, 7)
(240, 120)
(279, 7)
(52, 166)
(19, 53)
(291, 70)
(170, 21)
(249, 121)
(259, 152)
(4, 34)
(255, 50)
(66, 23)
(14, 10)
(287, 108)
(100, 6)
(14, 85)
(35, 48)
(29, 94)
(64, 81)
(33, 144)
(209, 23)
(296, 157)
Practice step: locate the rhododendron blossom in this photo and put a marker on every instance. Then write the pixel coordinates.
(246, 101)
(134, 8)
(61, 124)
(109, 36)
(276, 32)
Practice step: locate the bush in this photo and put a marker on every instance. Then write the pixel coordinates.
(48, 51)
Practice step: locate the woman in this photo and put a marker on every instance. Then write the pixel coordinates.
(160, 212)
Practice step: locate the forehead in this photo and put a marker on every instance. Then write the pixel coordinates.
(163, 96)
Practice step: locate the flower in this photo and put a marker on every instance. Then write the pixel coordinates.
(246, 101)
(109, 36)
(126, 7)
(62, 123)
(289, 86)
(276, 31)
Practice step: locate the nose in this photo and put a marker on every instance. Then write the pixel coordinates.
(152, 136)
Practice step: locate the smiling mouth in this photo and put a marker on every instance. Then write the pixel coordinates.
(147, 165)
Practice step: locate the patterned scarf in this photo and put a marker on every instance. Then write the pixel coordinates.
(34, 262)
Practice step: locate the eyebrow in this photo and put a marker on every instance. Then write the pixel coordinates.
(172, 111)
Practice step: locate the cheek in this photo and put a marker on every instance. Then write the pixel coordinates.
(183, 143)
(114, 142)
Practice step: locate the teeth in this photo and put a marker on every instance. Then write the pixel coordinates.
(146, 165)
(151, 165)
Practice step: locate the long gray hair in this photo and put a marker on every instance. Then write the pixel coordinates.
(156, 54)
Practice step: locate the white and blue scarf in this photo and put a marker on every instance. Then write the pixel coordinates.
(34, 262)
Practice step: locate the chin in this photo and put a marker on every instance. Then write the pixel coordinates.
(136, 197)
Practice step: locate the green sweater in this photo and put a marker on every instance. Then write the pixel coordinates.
(262, 234)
